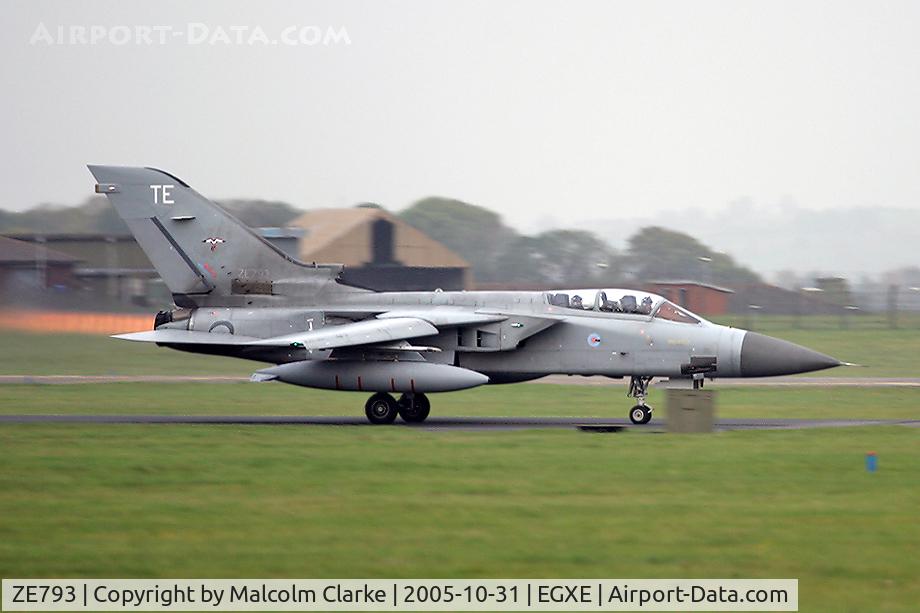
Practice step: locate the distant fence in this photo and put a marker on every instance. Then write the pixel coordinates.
(80, 323)
(758, 320)
(890, 307)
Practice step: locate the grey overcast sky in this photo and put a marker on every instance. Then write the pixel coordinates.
(569, 110)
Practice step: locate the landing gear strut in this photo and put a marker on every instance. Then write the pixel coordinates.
(381, 408)
(638, 389)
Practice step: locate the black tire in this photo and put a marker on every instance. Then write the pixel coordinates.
(648, 415)
(640, 414)
(414, 408)
(381, 409)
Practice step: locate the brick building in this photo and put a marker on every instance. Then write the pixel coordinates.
(698, 297)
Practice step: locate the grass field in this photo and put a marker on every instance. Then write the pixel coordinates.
(292, 501)
(28, 353)
(881, 351)
(208, 501)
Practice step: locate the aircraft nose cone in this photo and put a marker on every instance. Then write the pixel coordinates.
(765, 356)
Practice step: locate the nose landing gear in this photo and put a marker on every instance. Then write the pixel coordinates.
(638, 389)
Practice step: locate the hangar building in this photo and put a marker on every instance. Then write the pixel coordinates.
(25, 266)
(380, 250)
(700, 298)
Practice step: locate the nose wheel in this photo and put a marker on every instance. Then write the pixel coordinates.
(638, 389)
(640, 414)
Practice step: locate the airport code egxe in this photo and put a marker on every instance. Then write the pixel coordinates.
(400, 595)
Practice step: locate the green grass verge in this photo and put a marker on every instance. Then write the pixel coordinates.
(906, 321)
(224, 501)
(26, 353)
(524, 400)
(880, 353)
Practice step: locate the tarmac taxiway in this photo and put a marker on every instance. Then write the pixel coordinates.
(446, 423)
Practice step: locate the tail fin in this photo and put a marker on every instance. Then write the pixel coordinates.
(196, 246)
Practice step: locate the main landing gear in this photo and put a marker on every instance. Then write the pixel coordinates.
(638, 389)
(381, 408)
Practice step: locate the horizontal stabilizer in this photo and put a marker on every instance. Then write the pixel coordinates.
(187, 337)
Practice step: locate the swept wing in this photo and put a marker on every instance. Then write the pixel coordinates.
(329, 337)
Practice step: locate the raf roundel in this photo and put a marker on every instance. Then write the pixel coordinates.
(594, 339)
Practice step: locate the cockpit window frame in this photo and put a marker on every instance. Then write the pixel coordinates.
(694, 319)
(594, 301)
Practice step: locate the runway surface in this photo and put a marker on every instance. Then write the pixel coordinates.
(447, 423)
(552, 379)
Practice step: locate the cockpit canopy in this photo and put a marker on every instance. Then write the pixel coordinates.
(629, 302)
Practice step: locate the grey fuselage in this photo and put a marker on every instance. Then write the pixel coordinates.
(534, 339)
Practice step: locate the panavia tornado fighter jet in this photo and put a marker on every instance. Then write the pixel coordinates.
(237, 295)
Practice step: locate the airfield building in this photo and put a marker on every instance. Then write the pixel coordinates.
(26, 266)
(701, 298)
(111, 272)
(379, 250)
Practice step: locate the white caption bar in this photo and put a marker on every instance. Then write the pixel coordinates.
(400, 595)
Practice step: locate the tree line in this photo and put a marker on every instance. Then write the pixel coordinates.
(496, 252)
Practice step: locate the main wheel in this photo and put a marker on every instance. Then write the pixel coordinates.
(414, 408)
(640, 414)
(381, 409)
